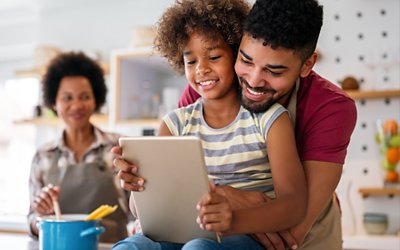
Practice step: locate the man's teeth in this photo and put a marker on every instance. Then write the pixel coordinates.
(206, 83)
(254, 92)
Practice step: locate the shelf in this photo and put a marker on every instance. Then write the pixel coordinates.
(141, 81)
(140, 122)
(373, 94)
(365, 192)
(371, 242)
(55, 122)
(38, 72)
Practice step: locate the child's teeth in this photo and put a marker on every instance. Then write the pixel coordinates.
(206, 83)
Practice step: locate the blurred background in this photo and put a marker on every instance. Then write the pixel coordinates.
(359, 43)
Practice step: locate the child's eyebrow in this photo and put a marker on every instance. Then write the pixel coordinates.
(211, 48)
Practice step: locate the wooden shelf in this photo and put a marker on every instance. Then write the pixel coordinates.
(373, 94)
(140, 122)
(56, 122)
(39, 72)
(368, 191)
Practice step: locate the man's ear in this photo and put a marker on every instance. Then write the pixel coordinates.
(308, 65)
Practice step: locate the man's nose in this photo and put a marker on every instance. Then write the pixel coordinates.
(255, 79)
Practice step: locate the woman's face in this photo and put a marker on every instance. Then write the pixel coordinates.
(75, 101)
(209, 66)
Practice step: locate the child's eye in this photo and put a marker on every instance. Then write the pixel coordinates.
(214, 58)
(190, 62)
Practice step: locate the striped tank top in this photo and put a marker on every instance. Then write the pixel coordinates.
(235, 155)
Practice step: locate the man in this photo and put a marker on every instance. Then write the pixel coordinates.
(274, 64)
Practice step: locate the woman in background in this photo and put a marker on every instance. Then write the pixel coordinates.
(76, 169)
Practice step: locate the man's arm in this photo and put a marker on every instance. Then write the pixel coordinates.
(322, 180)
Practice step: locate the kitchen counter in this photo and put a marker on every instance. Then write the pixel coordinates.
(19, 241)
(371, 242)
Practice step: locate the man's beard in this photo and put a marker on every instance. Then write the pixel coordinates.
(256, 107)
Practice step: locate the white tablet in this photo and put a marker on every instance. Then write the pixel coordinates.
(175, 178)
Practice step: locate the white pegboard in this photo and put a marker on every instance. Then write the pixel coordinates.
(361, 38)
(363, 168)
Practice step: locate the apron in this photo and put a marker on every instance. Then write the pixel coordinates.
(326, 233)
(86, 186)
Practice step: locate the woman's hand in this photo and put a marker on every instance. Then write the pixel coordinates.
(127, 172)
(215, 213)
(43, 203)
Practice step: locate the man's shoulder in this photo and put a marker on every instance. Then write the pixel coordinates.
(320, 90)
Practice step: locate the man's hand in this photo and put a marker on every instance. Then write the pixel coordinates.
(291, 238)
(127, 172)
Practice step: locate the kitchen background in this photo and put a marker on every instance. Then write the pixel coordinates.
(360, 38)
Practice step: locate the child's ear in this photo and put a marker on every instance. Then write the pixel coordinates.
(308, 65)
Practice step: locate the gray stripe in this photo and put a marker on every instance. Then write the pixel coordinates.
(175, 120)
(235, 149)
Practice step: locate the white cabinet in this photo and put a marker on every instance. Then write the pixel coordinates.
(143, 87)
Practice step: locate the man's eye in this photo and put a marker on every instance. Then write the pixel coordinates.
(275, 73)
(245, 61)
(190, 62)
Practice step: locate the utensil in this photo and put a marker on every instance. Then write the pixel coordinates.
(57, 209)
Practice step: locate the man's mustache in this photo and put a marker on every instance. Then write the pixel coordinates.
(257, 89)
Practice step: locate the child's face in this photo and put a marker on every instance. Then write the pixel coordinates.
(209, 66)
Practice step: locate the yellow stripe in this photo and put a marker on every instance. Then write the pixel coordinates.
(234, 158)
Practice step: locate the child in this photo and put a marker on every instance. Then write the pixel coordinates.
(201, 38)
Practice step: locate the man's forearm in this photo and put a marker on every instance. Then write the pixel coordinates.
(322, 180)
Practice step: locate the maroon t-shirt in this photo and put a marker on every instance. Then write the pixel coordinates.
(325, 119)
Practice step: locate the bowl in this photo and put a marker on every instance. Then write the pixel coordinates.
(375, 223)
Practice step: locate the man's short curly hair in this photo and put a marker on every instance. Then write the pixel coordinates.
(73, 64)
(291, 24)
(208, 17)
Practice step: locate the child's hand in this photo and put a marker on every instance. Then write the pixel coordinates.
(127, 172)
(215, 213)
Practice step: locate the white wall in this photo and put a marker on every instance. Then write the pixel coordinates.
(89, 25)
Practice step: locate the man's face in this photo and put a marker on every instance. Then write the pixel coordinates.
(266, 75)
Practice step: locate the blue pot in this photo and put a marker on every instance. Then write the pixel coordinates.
(71, 232)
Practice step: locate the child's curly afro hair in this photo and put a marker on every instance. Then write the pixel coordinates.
(213, 18)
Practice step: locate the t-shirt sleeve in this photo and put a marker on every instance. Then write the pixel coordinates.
(329, 132)
(173, 122)
(188, 96)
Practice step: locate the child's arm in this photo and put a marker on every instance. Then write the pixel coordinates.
(163, 130)
(289, 206)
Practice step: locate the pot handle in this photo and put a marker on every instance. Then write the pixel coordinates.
(92, 230)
